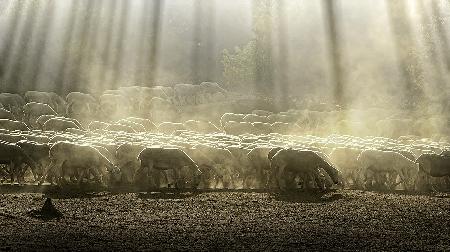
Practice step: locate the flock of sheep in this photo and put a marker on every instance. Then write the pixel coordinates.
(181, 137)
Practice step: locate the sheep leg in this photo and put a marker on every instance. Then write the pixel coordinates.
(152, 175)
(216, 176)
(368, 179)
(42, 167)
(84, 173)
(128, 172)
(12, 171)
(280, 173)
(229, 174)
(380, 180)
(359, 180)
(21, 173)
(315, 176)
(153, 179)
(179, 182)
(51, 172)
(290, 180)
(404, 179)
(244, 180)
(94, 170)
(142, 174)
(260, 175)
(247, 177)
(271, 179)
(226, 177)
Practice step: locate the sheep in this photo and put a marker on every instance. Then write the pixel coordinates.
(251, 118)
(13, 103)
(5, 114)
(59, 124)
(241, 162)
(74, 131)
(37, 96)
(42, 119)
(41, 139)
(60, 138)
(262, 128)
(186, 94)
(112, 171)
(210, 173)
(227, 117)
(120, 128)
(127, 160)
(285, 128)
(11, 138)
(394, 127)
(221, 161)
(78, 97)
(154, 160)
(36, 109)
(39, 154)
(148, 124)
(149, 92)
(113, 107)
(351, 127)
(375, 165)
(81, 106)
(434, 166)
(259, 158)
(281, 118)
(346, 159)
(304, 163)
(199, 126)
(95, 125)
(169, 127)
(13, 156)
(262, 112)
(239, 128)
(78, 161)
(13, 125)
(134, 125)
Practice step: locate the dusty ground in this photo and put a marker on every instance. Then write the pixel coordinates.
(337, 220)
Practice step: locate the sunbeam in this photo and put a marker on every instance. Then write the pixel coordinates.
(212, 125)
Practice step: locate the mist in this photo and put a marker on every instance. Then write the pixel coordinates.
(354, 54)
(234, 125)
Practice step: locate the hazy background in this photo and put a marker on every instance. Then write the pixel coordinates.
(361, 52)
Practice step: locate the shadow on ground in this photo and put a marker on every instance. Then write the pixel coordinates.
(167, 195)
(429, 193)
(65, 194)
(311, 196)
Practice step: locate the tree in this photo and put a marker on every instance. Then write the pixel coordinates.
(407, 54)
(253, 62)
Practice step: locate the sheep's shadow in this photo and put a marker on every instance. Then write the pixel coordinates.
(162, 195)
(429, 193)
(307, 196)
(73, 191)
(16, 188)
(75, 195)
(442, 195)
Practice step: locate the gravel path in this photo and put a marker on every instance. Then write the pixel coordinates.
(343, 219)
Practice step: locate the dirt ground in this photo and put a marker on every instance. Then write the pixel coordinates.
(337, 220)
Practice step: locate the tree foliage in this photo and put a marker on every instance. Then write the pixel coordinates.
(250, 67)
